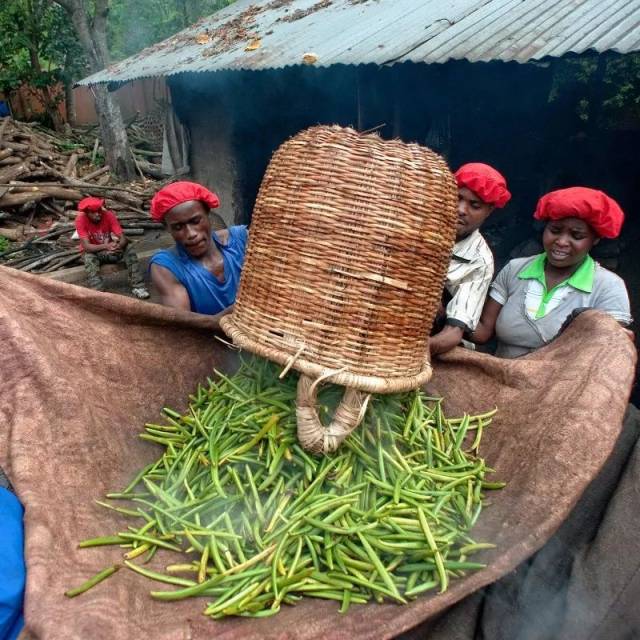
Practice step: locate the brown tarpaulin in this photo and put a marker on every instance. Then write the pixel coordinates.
(83, 371)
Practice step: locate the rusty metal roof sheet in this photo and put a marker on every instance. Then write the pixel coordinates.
(276, 33)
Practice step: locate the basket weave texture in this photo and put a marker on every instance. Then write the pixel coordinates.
(349, 245)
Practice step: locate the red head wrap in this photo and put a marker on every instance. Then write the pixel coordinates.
(91, 204)
(487, 183)
(177, 193)
(596, 208)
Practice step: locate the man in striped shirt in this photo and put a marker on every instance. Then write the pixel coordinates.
(480, 190)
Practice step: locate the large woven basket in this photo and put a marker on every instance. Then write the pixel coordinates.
(349, 245)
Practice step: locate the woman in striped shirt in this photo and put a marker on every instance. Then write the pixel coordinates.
(532, 298)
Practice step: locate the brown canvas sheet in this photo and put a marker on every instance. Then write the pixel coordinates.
(584, 584)
(83, 371)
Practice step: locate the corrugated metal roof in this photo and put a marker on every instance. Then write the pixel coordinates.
(278, 33)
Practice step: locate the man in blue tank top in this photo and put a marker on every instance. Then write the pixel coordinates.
(202, 272)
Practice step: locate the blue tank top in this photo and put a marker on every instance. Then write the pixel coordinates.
(206, 293)
(12, 569)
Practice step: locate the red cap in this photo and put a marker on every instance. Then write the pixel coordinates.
(487, 183)
(179, 192)
(596, 208)
(91, 204)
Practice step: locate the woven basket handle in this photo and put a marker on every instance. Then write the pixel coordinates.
(312, 434)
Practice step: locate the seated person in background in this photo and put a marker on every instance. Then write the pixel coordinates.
(531, 298)
(480, 190)
(102, 241)
(202, 272)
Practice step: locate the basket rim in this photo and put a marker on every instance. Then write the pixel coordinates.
(370, 384)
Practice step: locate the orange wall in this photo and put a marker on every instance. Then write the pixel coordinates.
(136, 96)
(26, 103)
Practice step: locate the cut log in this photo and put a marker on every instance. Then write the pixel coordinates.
(39, 174)
(137, 166)
(57, 264)
(44, 155)
(38, 262)
(146, 152)
(35, 194)
(3, 126)
(5, 153)
(51, 191)
(20, 135)
(59, 230)
(124, 197)
(52, 207)
(10, 160)
(17, 146)
(95, 150)
(143, 224)
(70, 169)
(49, 238)
(16, 233)
(154, 170)
(96, 173)
(13, 172)
(17, 199)
(136, 196)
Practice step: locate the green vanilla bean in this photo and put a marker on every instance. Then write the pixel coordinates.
(256, 523)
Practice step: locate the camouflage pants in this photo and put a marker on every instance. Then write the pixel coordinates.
(92, 262)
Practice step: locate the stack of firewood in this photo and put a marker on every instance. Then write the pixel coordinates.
(42, 177)
(146, 149)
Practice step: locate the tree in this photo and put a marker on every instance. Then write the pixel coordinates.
(38, 51)
(603, 91)
(62, 47)
(90, 22)
(136, 25)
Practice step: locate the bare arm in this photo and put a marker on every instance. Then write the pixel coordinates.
(487, 324)
(445, 340)
(93, 248)
(172, 293)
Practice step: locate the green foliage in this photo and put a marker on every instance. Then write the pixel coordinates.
(603, 90)
(62, 46)
(37, 44)
(4, 244)
(623, 83)
(69, 146)
(14, 59)
(136, 25)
